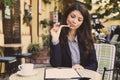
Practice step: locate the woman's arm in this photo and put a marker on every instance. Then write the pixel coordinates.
(92, 62)
(55, 55)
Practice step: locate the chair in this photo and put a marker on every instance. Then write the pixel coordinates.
(106, 58)
(8, 63)
(114, 39)
(117, 62)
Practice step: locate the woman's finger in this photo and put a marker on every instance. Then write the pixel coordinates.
(56, 24)
(77, 66)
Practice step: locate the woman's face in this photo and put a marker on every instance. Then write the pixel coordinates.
(74, 19)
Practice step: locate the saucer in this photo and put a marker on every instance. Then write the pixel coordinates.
(29, 74)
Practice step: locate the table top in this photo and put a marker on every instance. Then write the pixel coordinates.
(11, 45)
(40, 75)
(89, 73)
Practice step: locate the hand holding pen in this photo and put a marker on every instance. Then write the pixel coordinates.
(55, 31)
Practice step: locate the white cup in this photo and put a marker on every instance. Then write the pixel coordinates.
(26, 68)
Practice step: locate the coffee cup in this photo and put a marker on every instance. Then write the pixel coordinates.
(26, 68)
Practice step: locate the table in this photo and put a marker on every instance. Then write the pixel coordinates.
(40, 75)
(15, 47)
(12, 45)
(10, 50)
(92, 74)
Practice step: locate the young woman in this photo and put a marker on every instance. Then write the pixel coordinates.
(71, 40)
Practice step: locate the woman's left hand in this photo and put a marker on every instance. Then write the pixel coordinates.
(77, 66)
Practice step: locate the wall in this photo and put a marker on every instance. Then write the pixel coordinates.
(34, 21)
(44, 13)
(25, 30)
(1, 30)
(1, 40)
(37, 29)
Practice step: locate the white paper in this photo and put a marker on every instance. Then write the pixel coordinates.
(60, 73)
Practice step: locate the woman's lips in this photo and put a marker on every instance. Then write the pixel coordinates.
(72, 25)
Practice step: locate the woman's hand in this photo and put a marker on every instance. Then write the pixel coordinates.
(55, 31)
(77, 67)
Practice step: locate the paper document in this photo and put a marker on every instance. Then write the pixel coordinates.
(61, 73)
(89, 74)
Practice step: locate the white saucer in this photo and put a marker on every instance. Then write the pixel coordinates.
(29, 74)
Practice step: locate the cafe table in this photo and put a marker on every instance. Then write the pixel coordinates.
(15, 46)
(40, 75)
(12, 45)
(10, 49)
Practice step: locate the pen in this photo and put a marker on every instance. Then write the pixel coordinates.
(65, 26)
(78, 73)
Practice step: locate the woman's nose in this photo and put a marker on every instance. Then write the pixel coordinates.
(74, 20)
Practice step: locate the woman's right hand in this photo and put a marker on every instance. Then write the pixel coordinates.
(55, 32)
(77, 67)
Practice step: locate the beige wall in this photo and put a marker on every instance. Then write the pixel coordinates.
(25, 30)
(45, 10)
(1, 40)
(1, 30)
(34, 21)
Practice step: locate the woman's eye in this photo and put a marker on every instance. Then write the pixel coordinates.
(72, 16)
(79, 20)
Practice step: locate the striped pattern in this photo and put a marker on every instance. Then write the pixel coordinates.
(106, 57)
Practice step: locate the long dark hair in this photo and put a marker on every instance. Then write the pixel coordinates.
(83, 32)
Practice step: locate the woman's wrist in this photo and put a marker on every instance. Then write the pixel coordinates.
(55, 42)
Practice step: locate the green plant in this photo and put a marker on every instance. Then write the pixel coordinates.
(34, 48)
(45, 22)
(109, 8)
(9, 3)
(27, 19)
(47, 1)
(46, 40)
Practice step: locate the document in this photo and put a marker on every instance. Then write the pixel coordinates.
(61, 73)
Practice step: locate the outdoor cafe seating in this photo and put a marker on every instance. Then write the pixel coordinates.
(8, 61)
(106, 56)
(10, 58)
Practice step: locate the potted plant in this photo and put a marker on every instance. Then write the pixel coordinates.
(46, 40)
(34, 48)
(38, 54)
(44, 22)
(46, 43)
(9, 3)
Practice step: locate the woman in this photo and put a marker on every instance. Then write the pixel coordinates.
(71, 42)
